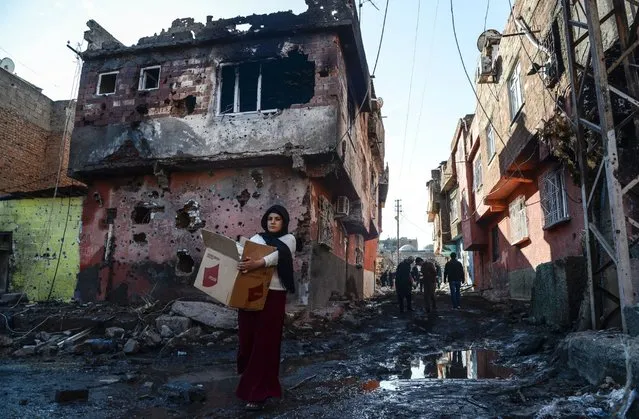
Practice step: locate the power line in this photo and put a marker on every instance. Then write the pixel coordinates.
(381, 37)
(421, 107)
(410, 89)
(472, 86)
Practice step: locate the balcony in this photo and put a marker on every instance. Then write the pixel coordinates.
(448, 179)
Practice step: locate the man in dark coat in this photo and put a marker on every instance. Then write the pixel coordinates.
(429, 274)
(403, 284)
(454, 273)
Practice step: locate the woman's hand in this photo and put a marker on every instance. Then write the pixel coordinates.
(248, 265)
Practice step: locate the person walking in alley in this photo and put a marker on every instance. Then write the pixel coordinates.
(403, 284)
(384, 278)
(260, 332)
(454, 274)
(429, 277)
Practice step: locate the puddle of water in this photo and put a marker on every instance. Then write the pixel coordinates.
(473, 364)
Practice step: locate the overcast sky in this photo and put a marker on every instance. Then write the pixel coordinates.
(34, 34)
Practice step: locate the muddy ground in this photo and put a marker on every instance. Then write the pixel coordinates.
(484, 360)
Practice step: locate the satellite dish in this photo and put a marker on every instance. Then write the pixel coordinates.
(7, 64)
(488, 37)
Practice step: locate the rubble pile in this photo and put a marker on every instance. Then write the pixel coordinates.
(106, 329)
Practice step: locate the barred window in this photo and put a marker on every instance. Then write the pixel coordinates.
(454, 205)
(477, 179)
(518, 220)
(553, 198)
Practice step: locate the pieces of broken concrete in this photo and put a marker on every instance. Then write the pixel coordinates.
(131, 346)
(208, 314)
(175, 324)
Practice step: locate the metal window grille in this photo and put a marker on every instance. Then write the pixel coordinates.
(553, 198)
(518, 220)
(326, 223)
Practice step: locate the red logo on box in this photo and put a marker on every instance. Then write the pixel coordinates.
(210, 276)
(255, 293)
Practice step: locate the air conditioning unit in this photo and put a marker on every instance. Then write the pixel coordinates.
(486, 68)
(342, 207)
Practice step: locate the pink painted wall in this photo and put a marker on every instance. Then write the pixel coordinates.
(140, 267)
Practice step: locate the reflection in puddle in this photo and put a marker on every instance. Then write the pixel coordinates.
(470, 364)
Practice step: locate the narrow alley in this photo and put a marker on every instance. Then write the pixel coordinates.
(367, 361)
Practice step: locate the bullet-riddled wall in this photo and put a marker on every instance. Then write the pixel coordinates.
(37, 228)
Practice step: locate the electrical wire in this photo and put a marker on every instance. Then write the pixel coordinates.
(381, 37)
(421, 107)
(410, 89)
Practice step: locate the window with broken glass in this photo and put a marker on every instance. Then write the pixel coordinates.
(490, 141)
(454, 205)
(515, 95)
(518, 220)
(266, 86)
(149, 78)
(553, 198)
(106, 83)
(477, 175)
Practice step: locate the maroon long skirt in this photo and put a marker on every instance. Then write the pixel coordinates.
(258, 357)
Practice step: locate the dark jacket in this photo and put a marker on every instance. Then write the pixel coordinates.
(454, 271)
(402, 278)
(429, 272)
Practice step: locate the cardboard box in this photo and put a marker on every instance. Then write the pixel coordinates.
(218, 275)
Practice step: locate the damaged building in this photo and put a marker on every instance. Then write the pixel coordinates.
(206, 125)
(40, 207)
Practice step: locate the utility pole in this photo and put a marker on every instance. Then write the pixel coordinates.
(398, 210)
(613, 244)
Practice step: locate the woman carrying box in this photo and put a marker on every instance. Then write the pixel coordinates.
(260, 332)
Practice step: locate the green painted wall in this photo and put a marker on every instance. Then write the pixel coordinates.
(38, 225)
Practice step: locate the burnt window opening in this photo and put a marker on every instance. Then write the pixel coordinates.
(185, 262)
(143, 213)
(266, 86)
(111, 213)
(243, 197)
(188, 217)
(183, 107)
(139, 238)
(149, 78)
(106, 83)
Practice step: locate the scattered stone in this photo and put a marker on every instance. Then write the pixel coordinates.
(43, 336)
(5, 341)
(191, 334)
(330, 313)
(150, 338)
(23, 402)
(114, 332)
(148, 385)
(185, 392)
(231, 339)
(101, 346)
(165, 331)
(177, 324)
(208, 314)
(211, 337)
(66, 396)
(131, 346)
(27, 350)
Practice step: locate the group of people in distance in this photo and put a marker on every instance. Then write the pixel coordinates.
(426, 274)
